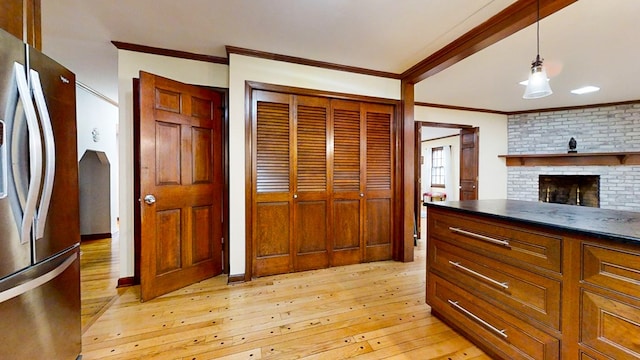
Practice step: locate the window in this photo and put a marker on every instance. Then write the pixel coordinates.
(437, 167)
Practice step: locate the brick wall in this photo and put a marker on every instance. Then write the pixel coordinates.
(596, 129)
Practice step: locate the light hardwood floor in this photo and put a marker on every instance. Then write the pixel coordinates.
(366, 311)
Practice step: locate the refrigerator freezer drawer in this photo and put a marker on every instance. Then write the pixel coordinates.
(46, 317)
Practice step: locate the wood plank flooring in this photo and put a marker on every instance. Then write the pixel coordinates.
(365, 311)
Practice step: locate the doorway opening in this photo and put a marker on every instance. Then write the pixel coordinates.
(99, 248)
(446, 165)
(94, 180)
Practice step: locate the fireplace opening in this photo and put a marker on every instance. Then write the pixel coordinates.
(583, 190)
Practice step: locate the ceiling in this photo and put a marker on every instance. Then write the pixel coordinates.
(588, 42)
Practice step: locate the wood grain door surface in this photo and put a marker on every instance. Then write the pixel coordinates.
(469, 164)
(310, 184)
(348, 176)
(378, 194)
(181, 166)
(322, 190)
(272, 215)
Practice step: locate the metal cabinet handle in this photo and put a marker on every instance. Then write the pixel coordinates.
(503, 285)
(149, 199)
(475, 317)
(479, 237)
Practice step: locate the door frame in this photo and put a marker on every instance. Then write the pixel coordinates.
(224, 92)
(250, 86)
(417, 201)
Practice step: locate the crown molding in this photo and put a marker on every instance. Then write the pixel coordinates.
(309, 62)
(168, 52)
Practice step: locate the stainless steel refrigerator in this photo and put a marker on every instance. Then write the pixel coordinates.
(39, 220)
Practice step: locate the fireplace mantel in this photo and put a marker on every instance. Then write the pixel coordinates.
(574, 159)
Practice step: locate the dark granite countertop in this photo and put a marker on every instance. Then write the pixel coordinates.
(602, 223)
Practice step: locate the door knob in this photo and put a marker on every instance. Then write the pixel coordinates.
(361, 194)
(295, 196)
(149, 199)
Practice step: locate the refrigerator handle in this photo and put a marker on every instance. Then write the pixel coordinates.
(37, 282)
(50, 154)
(4, 161)
(35, 153)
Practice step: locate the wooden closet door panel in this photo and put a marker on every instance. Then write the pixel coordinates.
(379, 182)
(272, 213)
(310, 197)
(311, 235)
(348, 175)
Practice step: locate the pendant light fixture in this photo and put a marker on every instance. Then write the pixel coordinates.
(538, 83)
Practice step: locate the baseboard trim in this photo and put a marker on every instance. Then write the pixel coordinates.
(86, 237)
(126, 281)
(235, 279)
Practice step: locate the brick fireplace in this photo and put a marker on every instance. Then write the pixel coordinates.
(598, 130)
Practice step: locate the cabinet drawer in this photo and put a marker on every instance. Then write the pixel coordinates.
(610, 326)
(520, 291)
(517, 245)
(614, 269)
(507, 335)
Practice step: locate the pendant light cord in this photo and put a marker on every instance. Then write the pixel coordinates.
(538, 29)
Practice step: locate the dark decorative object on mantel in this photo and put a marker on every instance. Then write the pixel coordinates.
(572, 146)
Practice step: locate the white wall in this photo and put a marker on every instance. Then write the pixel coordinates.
(492, 176)
(129, 65)
(93, 112)
(244, 68)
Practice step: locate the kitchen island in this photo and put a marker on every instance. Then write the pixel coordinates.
(529, 280)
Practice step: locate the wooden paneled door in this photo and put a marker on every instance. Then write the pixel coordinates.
(322, 173)
(290, 212)
(310, 184)
(272, 215)
(181, 184)
(378, 167)
(347, 202)
(469, 164)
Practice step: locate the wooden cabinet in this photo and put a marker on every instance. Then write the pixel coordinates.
(610, 301)
(526, 291)
(323, 182)
(18, 15)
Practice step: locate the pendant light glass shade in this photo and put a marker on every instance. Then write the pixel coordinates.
(538, 83)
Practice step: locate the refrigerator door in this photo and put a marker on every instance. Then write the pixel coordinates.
(14, 159)
(40, 310)
(57, 217)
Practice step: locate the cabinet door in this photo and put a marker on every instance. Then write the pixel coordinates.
(379, 182)
(13, 18)
(310, 200)
(271, 212)
(348, 175)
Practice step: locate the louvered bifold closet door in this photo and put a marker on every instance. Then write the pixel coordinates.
(272, 212)
(379, 182)
(348, 175)
(310, 197)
